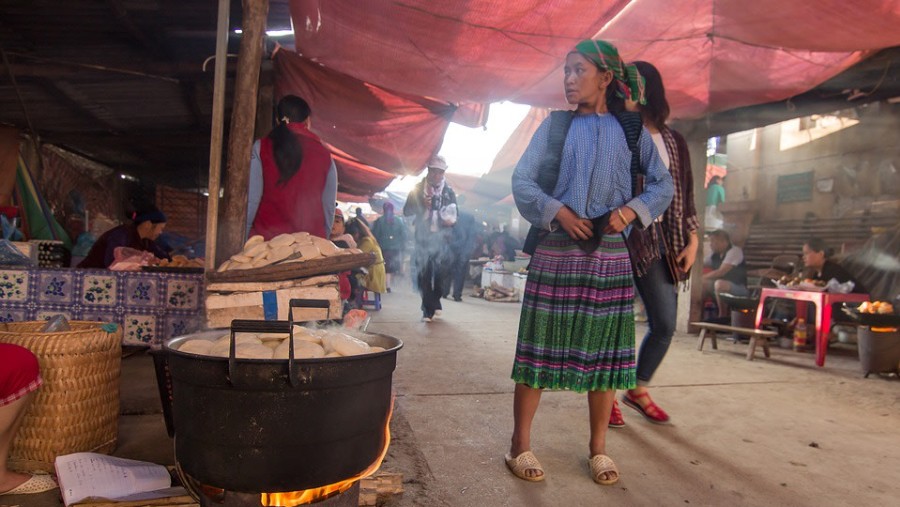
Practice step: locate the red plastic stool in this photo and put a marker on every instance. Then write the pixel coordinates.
(376, 302)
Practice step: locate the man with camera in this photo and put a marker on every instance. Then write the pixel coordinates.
(433, 204)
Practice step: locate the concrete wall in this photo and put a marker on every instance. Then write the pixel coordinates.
(863, 160)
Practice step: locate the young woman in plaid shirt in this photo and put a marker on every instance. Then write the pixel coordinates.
(657, 287)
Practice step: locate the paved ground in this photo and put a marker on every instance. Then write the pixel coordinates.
(767, 432)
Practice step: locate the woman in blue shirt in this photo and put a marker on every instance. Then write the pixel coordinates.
(576, 330)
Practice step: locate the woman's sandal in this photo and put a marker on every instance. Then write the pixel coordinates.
(616, 420)
(652, 412)
(522, 463)
(603, 464)
(37, 483)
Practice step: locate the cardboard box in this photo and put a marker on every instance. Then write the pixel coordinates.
(505, 279)
(270, 300)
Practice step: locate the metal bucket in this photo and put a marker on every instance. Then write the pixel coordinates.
(251, 425)
(879, 351)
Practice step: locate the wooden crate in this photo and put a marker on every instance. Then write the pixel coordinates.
(253, 300)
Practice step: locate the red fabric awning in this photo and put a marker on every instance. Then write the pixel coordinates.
(394, 133)
(714, 54)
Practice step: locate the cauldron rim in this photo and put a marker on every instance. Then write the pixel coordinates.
(216, 333)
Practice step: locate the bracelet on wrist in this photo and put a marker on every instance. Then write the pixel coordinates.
(622, 216)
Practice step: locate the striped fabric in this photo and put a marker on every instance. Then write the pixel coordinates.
(576, 331)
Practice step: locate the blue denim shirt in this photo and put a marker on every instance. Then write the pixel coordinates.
(594, 176)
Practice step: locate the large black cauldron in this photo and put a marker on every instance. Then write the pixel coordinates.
(252, 427)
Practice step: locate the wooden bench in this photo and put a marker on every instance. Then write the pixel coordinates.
(757, 336)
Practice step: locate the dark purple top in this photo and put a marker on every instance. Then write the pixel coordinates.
(102, 254)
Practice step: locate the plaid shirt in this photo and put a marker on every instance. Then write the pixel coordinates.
(680, 219)
(31, 386)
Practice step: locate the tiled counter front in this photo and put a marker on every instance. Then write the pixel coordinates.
(151, 307)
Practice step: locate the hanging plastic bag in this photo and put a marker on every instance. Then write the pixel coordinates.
(129, 259)
(56, 324)
(11, 256)
(834, 285)
(448, 215)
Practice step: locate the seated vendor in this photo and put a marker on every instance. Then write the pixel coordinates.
(141, 234)
(818, 266)
(374, 279)
(727, 270)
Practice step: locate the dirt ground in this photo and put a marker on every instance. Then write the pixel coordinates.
(776, 431)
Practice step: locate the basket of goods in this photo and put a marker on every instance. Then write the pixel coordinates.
(873, 314)
(76, 408)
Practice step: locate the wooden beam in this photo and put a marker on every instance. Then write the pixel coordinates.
(243, 119)
(166, 71)
(216, 134)
(181, 137)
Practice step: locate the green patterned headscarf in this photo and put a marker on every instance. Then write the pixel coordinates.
(629, 82)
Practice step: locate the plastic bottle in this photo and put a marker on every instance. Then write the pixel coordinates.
(800, 335)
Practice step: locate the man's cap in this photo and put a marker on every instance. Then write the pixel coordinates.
(437, 162)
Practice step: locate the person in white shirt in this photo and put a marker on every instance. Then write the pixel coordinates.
(728, 269)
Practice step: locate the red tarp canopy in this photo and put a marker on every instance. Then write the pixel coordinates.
(714, 54)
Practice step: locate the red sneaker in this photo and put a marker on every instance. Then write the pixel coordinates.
(615, 417)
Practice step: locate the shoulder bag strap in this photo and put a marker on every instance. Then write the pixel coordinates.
(632, 125)
(548, 171)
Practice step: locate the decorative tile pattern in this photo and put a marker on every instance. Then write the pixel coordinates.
(99, 290)
(139, 329)
(14, 285)
(141, 291)
(56, 287)
(46, 314)
(151, 307)
(99, 316)
(178, 325)
(182, 294)
(13, 315)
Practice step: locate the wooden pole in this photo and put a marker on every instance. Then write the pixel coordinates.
(243, 122)
(215, 137)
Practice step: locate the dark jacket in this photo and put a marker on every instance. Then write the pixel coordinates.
(102, 254)
(834, 270)
(415, 206)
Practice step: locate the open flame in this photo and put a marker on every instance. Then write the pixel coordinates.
(293, 498)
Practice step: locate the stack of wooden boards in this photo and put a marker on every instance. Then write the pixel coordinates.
(259, 282)
(226, 301)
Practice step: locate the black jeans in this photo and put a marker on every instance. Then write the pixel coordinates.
(430, 284)
(657, 290)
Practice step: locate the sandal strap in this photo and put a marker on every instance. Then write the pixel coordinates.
(37, 483)
(652, 408)
(527, 461)
(616, 416)
(601, 463)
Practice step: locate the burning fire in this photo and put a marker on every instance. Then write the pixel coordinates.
(293, 498)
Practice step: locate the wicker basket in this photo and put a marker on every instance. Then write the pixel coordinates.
(77, 407)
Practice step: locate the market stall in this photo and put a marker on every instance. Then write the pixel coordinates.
(151, 306)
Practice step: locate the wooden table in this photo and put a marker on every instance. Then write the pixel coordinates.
(823, 302)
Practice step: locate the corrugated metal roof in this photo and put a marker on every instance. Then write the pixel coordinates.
(119, 81)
